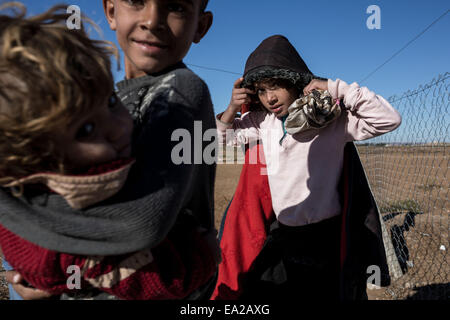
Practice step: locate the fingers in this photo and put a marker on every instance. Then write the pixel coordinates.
(16, 280)
(243, 91)
(240, 95)
(237, 87)
(249, 91)
(238, 99)
(30, 293)
(309, 88)
(238, 82)
(315, 84)
(13, 277)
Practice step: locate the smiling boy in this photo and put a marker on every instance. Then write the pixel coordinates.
(160, 92)
(156, 34)
(163, 95)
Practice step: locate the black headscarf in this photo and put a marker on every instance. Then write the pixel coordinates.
(276, 58)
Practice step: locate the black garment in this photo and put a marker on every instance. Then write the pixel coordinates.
(297, 263)
(363, 241)
(276, 58)
(276, 51)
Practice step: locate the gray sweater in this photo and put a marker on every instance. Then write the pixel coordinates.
(156, 192)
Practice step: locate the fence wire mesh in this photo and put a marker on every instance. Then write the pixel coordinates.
(408, 173)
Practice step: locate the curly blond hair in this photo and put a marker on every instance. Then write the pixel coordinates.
(49, 75)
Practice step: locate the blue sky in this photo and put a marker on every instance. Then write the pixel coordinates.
(331, 36)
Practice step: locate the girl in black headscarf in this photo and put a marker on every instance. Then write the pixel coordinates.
(318, 229)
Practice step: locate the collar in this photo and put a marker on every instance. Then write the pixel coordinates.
(81, 191)
(126, 84)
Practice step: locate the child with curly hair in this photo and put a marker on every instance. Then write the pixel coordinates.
(81, 188)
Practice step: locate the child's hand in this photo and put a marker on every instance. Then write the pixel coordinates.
(18, 283)
(315, 84)
(239, 96)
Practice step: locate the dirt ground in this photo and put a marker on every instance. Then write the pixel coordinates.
(4, 295)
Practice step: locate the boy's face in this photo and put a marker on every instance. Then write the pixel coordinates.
(276, 97)
(100, 136)
(155, 34)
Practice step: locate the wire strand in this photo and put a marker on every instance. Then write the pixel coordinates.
(213, 69)
(411, 41)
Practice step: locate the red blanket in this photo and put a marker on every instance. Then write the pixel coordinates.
(246, 226)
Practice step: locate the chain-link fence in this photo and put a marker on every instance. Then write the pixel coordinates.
(408, 174)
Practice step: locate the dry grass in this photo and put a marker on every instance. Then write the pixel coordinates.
(4, 294)
(227, 178)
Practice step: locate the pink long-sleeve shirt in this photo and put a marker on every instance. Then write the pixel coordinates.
(304, 169)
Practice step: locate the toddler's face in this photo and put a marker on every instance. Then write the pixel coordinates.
(155, 34)
(100, 136)
(276, 97)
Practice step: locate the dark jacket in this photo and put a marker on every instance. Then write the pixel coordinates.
(361, 238)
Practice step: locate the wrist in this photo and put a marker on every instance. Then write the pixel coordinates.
(220, 120)
(234, 108)
(335, 89)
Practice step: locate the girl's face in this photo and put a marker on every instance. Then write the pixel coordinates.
(100, 136)
(276, 97)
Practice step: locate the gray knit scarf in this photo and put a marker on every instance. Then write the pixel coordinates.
(155, 194)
